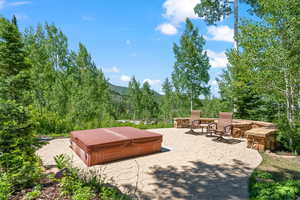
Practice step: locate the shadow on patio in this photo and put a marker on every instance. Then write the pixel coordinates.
(198, 180)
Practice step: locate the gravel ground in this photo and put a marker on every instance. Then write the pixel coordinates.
(190, 167)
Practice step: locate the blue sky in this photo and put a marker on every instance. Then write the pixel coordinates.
(127, 38)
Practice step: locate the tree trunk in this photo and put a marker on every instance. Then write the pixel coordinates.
(191, 103)
(236, 23)
(288, 97)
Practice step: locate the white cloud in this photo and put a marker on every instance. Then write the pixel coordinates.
(113, 69)
(87, 18)
(167, 29)
(217, 59)
(19, 3)
(2, 3)
(125, 78)
(133, 54)
(176, 11)
(128, 42)
(152, 82)
(220, 33)
(213, 83)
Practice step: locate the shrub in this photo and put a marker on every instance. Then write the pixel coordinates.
(289, 135)
(51, 122)
(271, 190)
(5, 186)
(81, 185)
(34, 194)
(27, 175)
(61, 161)
(18, 145)
(84, 193)
(108, 193)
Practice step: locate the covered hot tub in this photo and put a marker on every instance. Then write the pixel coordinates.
(97, 146)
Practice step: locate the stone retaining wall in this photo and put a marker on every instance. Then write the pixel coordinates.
(240, 127)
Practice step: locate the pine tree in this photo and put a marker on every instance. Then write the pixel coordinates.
(190, 75)
(14, 71)
(17, 143)
(148, 102)
(134, 97)
(167, 100)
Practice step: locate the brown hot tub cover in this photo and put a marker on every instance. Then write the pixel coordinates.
(102, 145)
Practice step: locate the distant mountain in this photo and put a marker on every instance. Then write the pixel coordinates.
(123, 91)
(118, 89)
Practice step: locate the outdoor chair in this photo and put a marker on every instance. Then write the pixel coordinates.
(222, 127)
(194, 121)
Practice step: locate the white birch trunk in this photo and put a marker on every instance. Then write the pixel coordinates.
(288, 97)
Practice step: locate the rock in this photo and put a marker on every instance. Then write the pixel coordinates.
(61, 173)
(53, 170)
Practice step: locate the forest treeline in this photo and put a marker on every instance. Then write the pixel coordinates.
(68, 91)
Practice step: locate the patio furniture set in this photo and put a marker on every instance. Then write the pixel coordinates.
(220, 127)
(260, 135)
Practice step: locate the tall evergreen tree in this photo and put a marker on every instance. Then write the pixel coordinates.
(190, 75)
(134, 97)
(148, 102)
(167, 101)
(17, 144)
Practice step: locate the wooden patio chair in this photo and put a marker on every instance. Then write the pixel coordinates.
(194, 121)
(222, 127)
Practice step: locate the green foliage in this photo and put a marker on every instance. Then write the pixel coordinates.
(34, 194)
(50, 122)
(262, 187)
(143, 126)
(289, 135)
(81, 186)
(5, 186)
(14, 76)
(17, 143)
(148, 102)
(84, 193)
(61, 161)
(69, 91)
(110, 193)
(211, 107)
(262, 81)
(167, 105)
(142, 101)
(134, 98)
(213, 11)
(190, 75)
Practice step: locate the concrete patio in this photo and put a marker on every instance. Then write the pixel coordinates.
(190, 167)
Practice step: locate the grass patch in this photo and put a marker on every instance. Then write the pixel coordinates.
(277, 178)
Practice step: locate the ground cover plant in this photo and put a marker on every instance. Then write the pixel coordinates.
(276, 178)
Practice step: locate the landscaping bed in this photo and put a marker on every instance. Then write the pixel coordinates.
(65, 182)
(276, 178)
